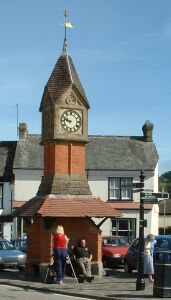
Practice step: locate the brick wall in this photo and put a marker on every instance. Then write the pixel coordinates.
(39, 239)
(64, 158)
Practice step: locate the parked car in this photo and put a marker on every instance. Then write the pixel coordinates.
(10, 257)
(20, 244)
(114, 249)
(163, 242)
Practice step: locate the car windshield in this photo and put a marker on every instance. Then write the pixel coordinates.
(115, 241)
(5, 245)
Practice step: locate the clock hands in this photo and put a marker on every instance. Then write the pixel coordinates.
(69, 121)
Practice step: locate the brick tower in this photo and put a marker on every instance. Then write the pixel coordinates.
(64, 108)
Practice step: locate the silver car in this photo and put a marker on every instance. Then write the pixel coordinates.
(10, 257)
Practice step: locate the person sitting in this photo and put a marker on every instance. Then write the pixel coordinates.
(83, 256)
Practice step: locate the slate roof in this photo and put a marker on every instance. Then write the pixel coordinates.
(69, 207)
(120, 153)
(29, 153)
(102, 153)
(64, 76)
(7, 153)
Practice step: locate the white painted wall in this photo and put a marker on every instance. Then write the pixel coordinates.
(150, 215)
(27, 183)
(155, 219)
(105, 227)
(7, 231)
(164, 221)
(98, 181)
(156, 179)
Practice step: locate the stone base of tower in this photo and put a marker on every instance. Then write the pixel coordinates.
(36, 269)
(32, 268)
(97, 268)
(64, 185)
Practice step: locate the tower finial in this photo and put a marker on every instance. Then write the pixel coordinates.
(66, 25)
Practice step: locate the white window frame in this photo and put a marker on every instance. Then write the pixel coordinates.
(119, 188)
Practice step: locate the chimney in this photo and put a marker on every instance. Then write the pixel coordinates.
(23, 131)
(148, 131)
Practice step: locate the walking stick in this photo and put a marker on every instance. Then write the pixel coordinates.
(68, 259)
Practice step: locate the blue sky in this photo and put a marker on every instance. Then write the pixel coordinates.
(121, 50)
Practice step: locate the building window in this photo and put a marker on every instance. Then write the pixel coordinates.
(124, 227)
(1, 196)
(120, 188)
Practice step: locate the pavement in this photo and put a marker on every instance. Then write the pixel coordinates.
(115, 284)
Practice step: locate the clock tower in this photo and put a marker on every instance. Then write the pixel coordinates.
(64, 196)
(64, 109)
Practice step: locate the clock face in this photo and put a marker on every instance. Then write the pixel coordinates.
(70, 120)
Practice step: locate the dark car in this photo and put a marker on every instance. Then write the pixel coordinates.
(20, 244)
(11, 257)
(163, 242)
(114, 249)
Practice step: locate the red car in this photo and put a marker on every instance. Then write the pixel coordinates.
(114, 249)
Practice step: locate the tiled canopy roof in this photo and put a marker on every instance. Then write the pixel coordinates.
(64, 77)
(116, 205)
(130, 206)
(16, 204)
(69, 207)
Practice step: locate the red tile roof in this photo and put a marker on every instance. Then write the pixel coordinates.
(67, 207)
(130, 205)
(18, 203)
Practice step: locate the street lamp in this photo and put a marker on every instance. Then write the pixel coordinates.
(140, 283)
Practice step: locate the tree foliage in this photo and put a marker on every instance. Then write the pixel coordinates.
(165, 182)
(166, 177)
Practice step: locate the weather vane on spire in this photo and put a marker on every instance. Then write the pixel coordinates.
(66, 25)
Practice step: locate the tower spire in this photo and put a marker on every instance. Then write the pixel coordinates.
(66, 25)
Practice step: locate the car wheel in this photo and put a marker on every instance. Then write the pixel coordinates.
(105, 264)
(21, 268)
(127, 268)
